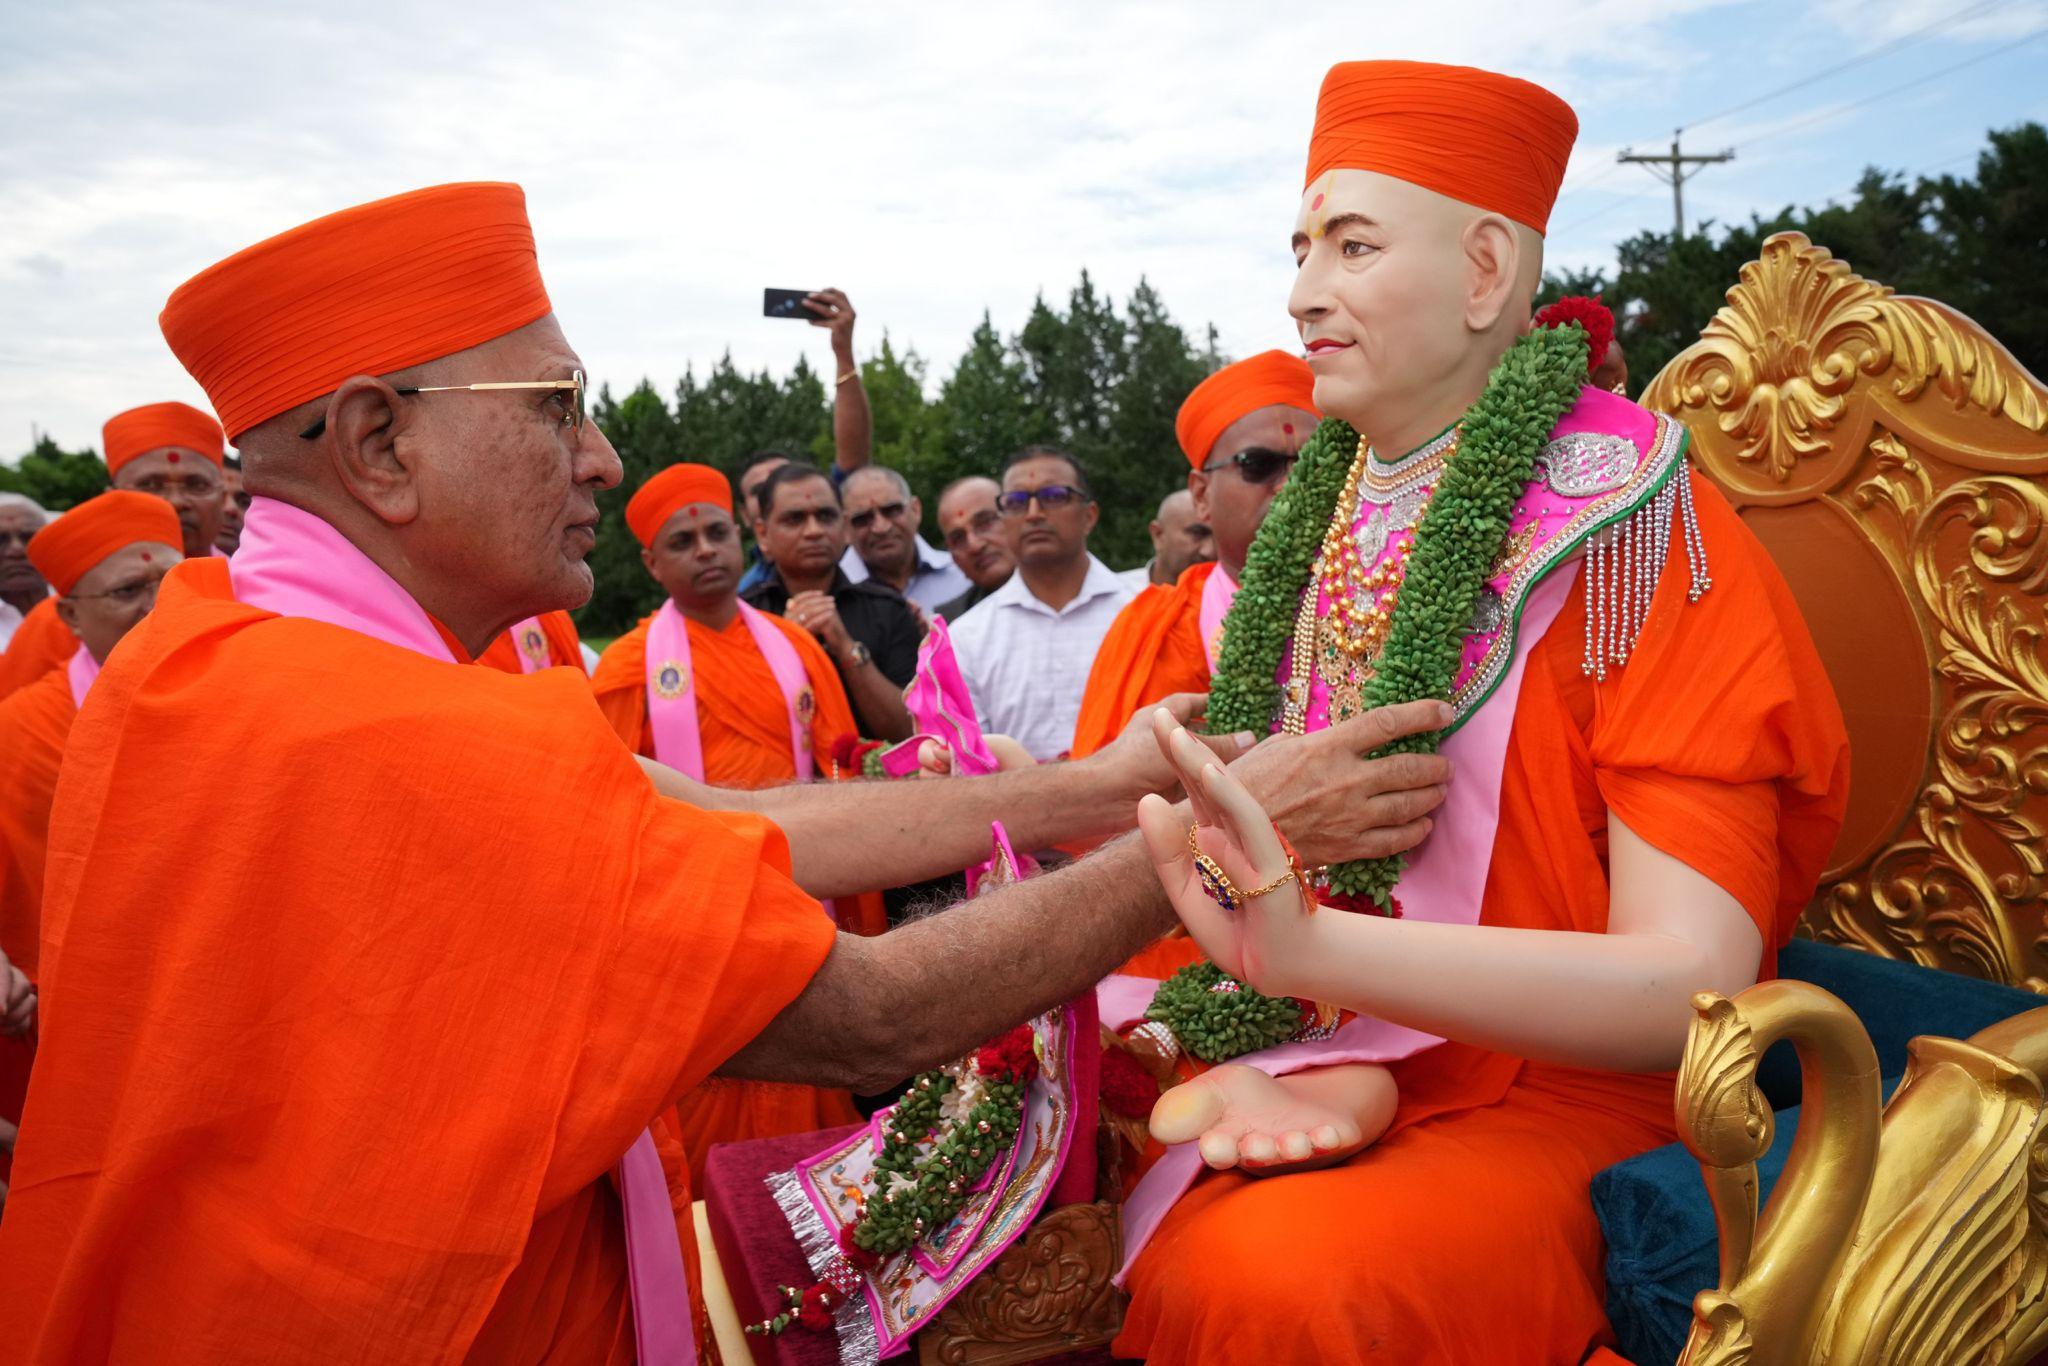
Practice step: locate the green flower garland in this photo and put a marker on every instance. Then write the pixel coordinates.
(1460, 537)
(1457, 543)
(1218, 1025)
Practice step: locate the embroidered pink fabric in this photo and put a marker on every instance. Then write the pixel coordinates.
(296, 565)
(941, 709)
(1446, 879)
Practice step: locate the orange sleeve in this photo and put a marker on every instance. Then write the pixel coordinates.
(34, 724)
(1720, 741)
(1153, 650)
(40, 644)
(833, 717)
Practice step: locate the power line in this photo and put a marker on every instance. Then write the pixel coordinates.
(1823, 115)
(1881, 50)
(1670, 167)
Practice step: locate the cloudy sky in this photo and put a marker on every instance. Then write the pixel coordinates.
(935, 161)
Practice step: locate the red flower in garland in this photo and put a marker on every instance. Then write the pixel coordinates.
(1008, 1058)
(860, 1258)
(1359, 905)
(815, 1310)
(1127, 1089)
(1590, 314)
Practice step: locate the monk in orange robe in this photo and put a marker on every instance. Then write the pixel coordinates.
(104, 558)
(370, 1080)
(743, 718)
(548, 641)
(1668, 790)
(41, 643)
(177, 453)
(1239, 429)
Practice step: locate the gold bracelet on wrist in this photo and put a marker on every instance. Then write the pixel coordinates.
(850, 374)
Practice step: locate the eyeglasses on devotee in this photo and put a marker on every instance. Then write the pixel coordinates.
(1256, 465)
(131, 593)
(572, 408)
(892, 511)
(1051, 498)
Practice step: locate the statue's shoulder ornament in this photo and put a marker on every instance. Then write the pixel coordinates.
(1607, 492)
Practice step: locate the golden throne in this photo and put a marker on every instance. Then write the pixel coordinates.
(1893, 457)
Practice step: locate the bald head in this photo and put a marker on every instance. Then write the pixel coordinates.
(481, 504)
(972, 529)
(1180, 538)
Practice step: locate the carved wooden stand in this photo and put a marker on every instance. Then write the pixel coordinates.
(1049, 1294)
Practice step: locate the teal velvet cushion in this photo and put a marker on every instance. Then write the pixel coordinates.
(1653, 1208)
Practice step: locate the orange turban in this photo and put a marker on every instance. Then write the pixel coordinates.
(1269, 379)
(668, 492)
(156, 425)
(66, 550)
(366, 291)
(1491, 141)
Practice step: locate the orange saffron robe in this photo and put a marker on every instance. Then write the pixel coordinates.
(1153, 650)
(1466, 1233)
(565, 646)
(34, 724)
(744, 729)
(41, 643)
(355, 991)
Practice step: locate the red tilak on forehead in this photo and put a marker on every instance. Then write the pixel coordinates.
(145, 557)
(171, 456)
(1287, 427)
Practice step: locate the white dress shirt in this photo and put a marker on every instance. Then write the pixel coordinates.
(1140, 578)
(1027, 665)
(935, 580)
(10, 621)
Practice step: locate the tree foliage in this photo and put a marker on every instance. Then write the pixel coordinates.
(56, 478)
(1973, 242)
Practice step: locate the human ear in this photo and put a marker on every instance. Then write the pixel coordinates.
(1198, 489)
(365, 421)
(647, 557)
(1493, 260)
(67, 612)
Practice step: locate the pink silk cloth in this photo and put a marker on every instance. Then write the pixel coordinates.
(1218, 592)
(1446, 877)
(672, 690)
(297, 565)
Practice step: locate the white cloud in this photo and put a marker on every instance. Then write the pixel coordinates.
(934, 161)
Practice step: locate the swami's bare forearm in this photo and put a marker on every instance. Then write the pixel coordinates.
(856, 836)
(880, 1009)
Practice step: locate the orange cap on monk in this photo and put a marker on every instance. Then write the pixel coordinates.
(1491, 141)
(66, 550)
(156, 425)
(366, 291)
(1269, 379)
(669, 492)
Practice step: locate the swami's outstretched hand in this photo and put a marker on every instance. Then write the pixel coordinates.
(1228, 875)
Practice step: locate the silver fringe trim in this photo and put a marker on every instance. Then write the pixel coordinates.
(1624, 565)
(858, 1345)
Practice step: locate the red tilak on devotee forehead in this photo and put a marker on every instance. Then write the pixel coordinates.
(171, 456)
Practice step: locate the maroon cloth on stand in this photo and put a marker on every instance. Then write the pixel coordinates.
(756, 1250)
(15, 1056)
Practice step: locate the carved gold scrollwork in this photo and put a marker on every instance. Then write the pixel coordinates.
(1775, 367)
(1816, 385)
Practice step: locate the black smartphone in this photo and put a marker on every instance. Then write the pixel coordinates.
(786, 303)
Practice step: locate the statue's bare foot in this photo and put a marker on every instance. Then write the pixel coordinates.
(1240, 1117)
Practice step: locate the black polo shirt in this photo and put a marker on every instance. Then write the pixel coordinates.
(874, 614)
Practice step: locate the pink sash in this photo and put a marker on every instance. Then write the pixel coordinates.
(82, 670)
(296, 565)
(942, 710)
(672, 690)
(531, 645)
(1218, 592)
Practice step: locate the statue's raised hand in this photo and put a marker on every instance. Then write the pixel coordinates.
(1269, 925)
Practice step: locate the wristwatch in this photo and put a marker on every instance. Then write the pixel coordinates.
(858, 655)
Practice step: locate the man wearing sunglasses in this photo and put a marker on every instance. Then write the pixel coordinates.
(882, 518)
(974, 538)
(1025, 651)
(373, 1073)
(1239, 429)
(105, 558)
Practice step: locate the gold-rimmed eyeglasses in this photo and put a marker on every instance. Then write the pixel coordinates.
(573, 386)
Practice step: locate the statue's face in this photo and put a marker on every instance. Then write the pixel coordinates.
(1382, 294)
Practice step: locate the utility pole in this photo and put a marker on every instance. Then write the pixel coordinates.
(1670, 167)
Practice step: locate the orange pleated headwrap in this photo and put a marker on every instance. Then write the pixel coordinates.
(66, 550)
(1263, 381)
(366, 291)
(156, 425)
(1488, 140)
(669, 492)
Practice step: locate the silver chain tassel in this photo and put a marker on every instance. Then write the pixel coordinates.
(1625, 564)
